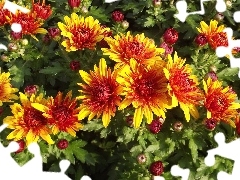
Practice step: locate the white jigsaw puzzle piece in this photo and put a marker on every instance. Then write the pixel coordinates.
(177, 171)
(182, 9)
(226, 150)
(223, 51)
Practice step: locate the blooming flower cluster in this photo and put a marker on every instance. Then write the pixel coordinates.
(144, 78)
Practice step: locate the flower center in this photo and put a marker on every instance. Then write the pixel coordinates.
(102, 95)
(145, 87)
(61, 113)
(217, 102)
(34, 118)
(82, 36)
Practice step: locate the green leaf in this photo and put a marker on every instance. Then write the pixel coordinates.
(51, 70)
(93, 126)
(78, 143)
(152, 148)
(80, 154)
(228, 74)
(149, 22)
(98, 13)
(194, 150)
(69, 155)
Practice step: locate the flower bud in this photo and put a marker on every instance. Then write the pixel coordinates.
(157, 3)
(74, 3)
(4, 58)
(12, 46)
(62, 144)
(117, 16)
(21, 144)
(74, 65)
(24, 42)
(141, 158)
(219, 16)
(125, 24)
(54, 33)
(177, 126)
(31, 89)
(15, 35)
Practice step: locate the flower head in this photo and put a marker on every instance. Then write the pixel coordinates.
(42, 11)
(80, 32)
(210, 29)
(220, 102)
(183, 86)
(61, 113)
(29, 22)
(28, 122)
(126, 47)
(6, 89)
(218, 39)
(100, 93)
(146, 89)
(3, 13)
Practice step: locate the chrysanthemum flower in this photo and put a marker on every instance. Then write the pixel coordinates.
(220, 102)
(80, 32)
(3, 13)
(145, 87)
(29, 22)
(28, 122)
(183, 86)
(126, 47)
(100, 93)
(6, 89)
(61, 113)
(43, 11)
(210, 29)
(214, 33)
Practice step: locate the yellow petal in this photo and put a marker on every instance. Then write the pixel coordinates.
(83, 113)
(103, 67)
(148, 114)
(125, 103)
(137, 118)
(186, 111)
(194, 112)
(40, 107)
(85, 76)
(106, 119)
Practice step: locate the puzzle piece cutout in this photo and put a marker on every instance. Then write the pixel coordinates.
(232, 43)
(228, 150)
(33, 168)
(182, 9)
(176, 171)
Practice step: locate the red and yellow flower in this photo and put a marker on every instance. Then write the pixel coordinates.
(211, 29)
(100, 94)
(145, 87)
(183, 86)
(3, 13)
(214, 33)
(42, 10)
(61, 113)
(80, 32)
(29, 22)
(220, 102)
(126, 47)
(6, 89)
(27, 122)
